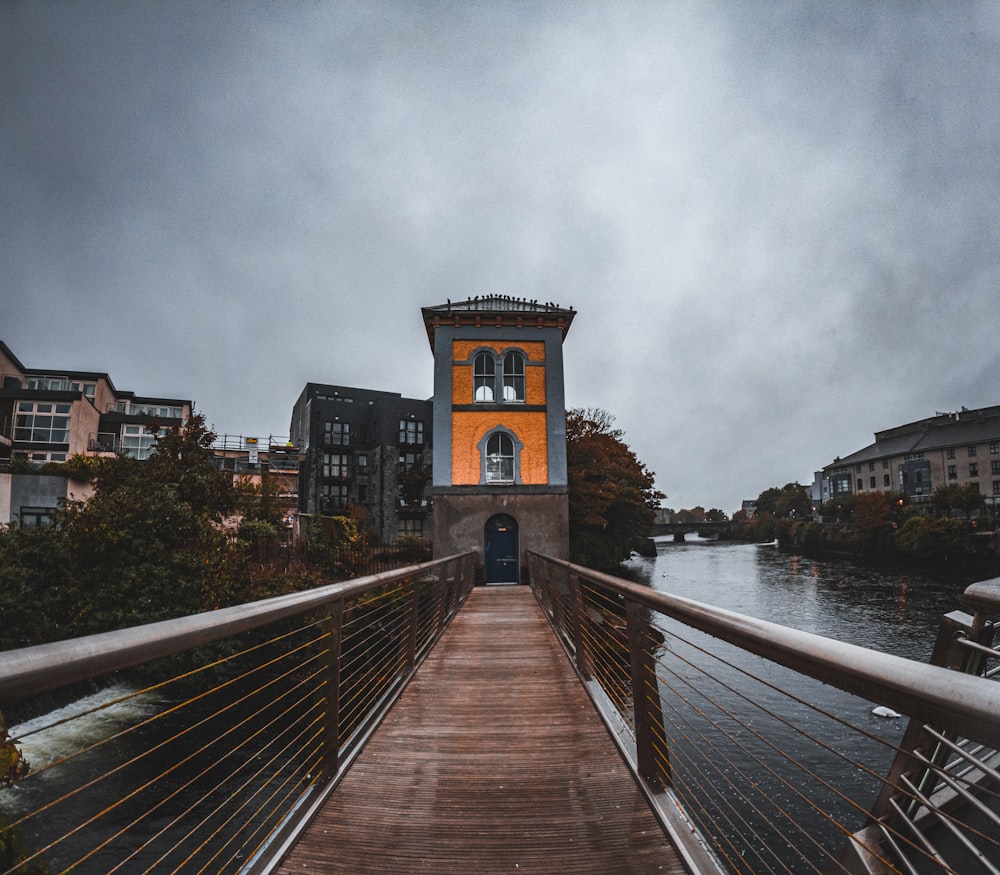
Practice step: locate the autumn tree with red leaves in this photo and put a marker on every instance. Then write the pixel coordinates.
(612, 495)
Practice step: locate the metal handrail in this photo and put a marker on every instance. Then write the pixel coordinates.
(930, 693)
(691, 715)
(984, 597)
(233, 742)
(47, 666)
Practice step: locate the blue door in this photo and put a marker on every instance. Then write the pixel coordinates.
(500, 551)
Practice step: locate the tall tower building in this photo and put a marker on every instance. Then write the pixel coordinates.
(499, 481)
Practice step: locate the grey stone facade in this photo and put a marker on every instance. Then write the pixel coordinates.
(365, 452)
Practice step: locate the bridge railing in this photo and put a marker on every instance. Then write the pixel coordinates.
(203, 743)
(726, 738)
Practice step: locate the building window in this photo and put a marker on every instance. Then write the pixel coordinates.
(334, 496)
(953, 472)
(858, 469)
(995, 467)
(138, 441)
(886, 481)
(411, 431)
(37, 517)
(994, 447)
(335, 465)
(500, 458)
(950, 453)
(972, 452)
(871, 467)
(39, 457)
(362, 493)
(513, 377)
(408, 461)
(337, 434)
(871, 482)
(885, 464)
(484, 375)
(996, 487)
(42, 422)
(973, 469)
(861, 484)
(411, 526)
(362, 461)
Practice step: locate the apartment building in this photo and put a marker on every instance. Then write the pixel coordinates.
(916, 458)
(270, 460)
(49, 415)
(364, 452)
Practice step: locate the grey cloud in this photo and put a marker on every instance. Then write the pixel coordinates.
(778, 223)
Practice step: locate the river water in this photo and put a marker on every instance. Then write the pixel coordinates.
(890, 611)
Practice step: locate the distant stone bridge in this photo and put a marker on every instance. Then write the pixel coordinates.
(703, 530)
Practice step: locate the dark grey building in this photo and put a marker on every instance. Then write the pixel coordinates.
(367, 454)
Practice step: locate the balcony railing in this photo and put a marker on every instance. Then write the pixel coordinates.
(103, 442)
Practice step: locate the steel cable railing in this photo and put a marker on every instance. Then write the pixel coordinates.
(210, 738)
(724, 734)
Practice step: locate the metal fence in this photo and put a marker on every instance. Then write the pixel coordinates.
(726, 737)
(202, 744)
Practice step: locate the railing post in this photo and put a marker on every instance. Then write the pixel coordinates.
(413, 606)
(333, 626)
(652, 760)
(575, 616)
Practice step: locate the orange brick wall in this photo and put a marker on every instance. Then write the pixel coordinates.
(462, 349)
(469, 428)
(461, 374)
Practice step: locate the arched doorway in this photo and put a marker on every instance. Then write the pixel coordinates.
(500, 550)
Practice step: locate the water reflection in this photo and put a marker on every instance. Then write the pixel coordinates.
(892, 611)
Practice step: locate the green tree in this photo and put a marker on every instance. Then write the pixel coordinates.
(612, 495)
(146, 546)
(933, 539)
(791, 501)
(966, 499)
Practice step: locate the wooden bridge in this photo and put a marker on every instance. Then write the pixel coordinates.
(408, 722)
(492, 760)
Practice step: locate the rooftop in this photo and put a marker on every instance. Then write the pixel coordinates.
(497, 310)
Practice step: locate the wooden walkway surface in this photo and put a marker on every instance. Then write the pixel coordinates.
(493, 760)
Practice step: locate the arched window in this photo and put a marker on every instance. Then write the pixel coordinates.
(500, 458)
(484, 371)
(513, 377)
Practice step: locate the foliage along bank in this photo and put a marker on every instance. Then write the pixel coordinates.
(950, 532)
(161, 538)
(612, 495)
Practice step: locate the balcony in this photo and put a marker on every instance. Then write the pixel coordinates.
(103, 442)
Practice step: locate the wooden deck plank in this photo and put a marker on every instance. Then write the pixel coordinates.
(492, 761)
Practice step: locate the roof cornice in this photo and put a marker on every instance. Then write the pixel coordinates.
(499, 311)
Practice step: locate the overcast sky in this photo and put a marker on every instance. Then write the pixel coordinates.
(779, 222)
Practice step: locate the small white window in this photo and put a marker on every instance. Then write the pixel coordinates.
(500, 458)
(513, 377)
(484, 375)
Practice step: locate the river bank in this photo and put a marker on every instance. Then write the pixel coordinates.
(967, 550)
